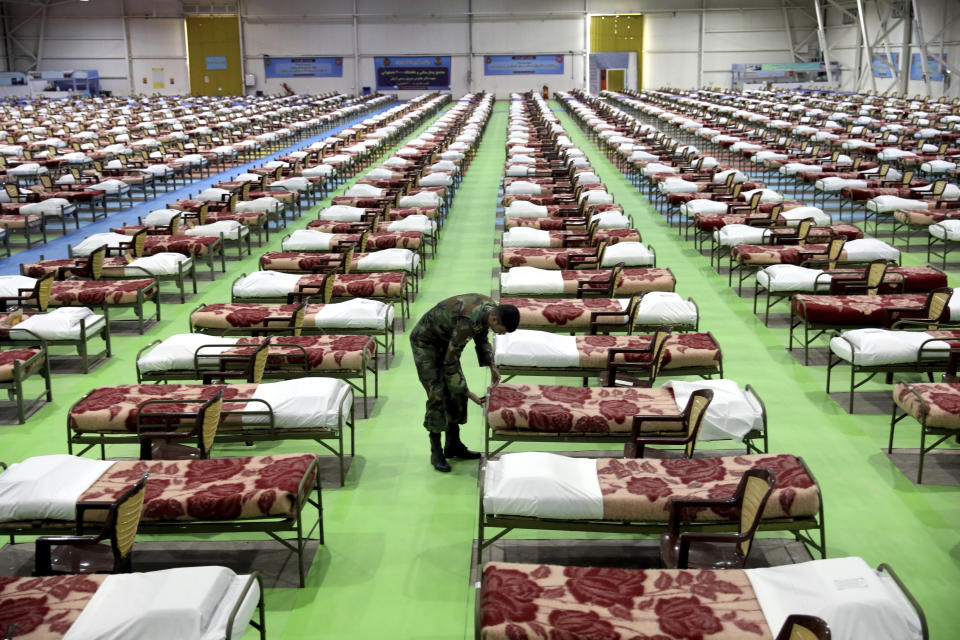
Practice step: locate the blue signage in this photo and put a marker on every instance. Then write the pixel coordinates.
(418, 73)
(883, 67)
(216, 62)
(302, 67)
(935, 67)
(515, 65)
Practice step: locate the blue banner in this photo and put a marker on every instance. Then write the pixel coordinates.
(302, 67)
(417, 73)
(514, 65)
(215, 63)
(935, 67)
(883, 67)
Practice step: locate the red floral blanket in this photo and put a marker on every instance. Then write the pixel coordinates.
(853, 310)
(640, 490)
(542, 258)
(593, 410)
(527, 602)
(937, 402)
(683, 350)
(98, 292)
(45, 608)
(11, 356)
(296, 261)
(632, 281)
(184, 245)
(394, 239)
(572, 314)
(391, 284)
(925, 217)
(242, 315)
(214, 489)
(325, 352)
(114, 409)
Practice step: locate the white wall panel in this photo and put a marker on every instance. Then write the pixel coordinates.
(160, 38)
(672, 70)
(665, 32)
(295, 39)
(175, 69)
(413, 38)
(528, 36)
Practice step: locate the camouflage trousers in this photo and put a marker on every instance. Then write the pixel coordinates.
(443, 407)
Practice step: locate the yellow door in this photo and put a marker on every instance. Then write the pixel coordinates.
(213, 50)
(615, 79)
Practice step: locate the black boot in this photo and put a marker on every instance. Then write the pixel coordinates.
(456, 449)
(437, 459)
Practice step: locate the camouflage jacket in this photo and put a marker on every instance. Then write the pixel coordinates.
(449, 326)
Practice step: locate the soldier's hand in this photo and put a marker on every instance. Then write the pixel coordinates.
(494, 375)
(477, 399)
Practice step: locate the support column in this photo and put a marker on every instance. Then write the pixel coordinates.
(866, 47)
(822, 36)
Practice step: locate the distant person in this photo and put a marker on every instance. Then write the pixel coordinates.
(438, 341)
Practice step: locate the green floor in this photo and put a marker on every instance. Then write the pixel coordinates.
(398, 547)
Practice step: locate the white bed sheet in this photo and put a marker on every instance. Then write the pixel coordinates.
(611, 220)
(781, 278)
(266, 204)
(47, 487)
(188, 603)
(229, 229)
(416, 222)
(356, 313)
(732, 413)
(176, 353)
(531, 281)
(666, 307)
(10, 284)
(945, 230)
(159, 264)
(389, 260)
(62, 323)
(421, 199)
(161, 217)
(92, 243)
(526, 348)
(342, 213)
(542, 485)
(303, 402)
(307, 240)
(526, 237)
(854, 600)
(266, 284)
(889, 204)
(631, 254)
(884, 346)
(525, 209)
(866, 249)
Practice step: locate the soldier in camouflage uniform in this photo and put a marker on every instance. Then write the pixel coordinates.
(437, 342)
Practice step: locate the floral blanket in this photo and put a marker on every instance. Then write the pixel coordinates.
(399, 213)
(184, 245)
(914, 279)
(639, 490)
(533, 602)
(297, 261)
(925, 217)
(214, 489)
(333, 226)
(242, 315)
(65, 266)
(765, 254)
(15, 222)
(9, 357)
(560, 409)
(853, 310)
(543, 258)
(390, 284)
(45, 608)
(632, 281)
(683, 350)
(940, 404)
(114, 409)
(552, 313)
(247, 219)
(394, 240)
(86, 293)
(324, 353)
